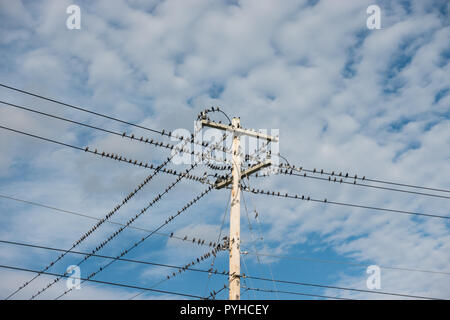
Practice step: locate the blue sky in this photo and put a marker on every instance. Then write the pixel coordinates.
(345, 98)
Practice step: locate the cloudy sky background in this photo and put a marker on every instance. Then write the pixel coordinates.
(345, 98)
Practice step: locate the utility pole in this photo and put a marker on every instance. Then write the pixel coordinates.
(235, 211)
(235, 217)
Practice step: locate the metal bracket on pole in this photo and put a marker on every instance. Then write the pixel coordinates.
(246, 173)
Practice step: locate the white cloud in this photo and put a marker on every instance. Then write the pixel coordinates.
(275, 66)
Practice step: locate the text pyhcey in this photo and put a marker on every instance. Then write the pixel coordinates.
(228, 309)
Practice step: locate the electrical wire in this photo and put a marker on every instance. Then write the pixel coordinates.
(104, 282)
(210, 243)
(108, 216)
(137, 216)
(126, 251)
(329, 179)
(168, 235)
(168, 134)
(203, 114)
(184, 268)
(261, 237)
(156, 264)
(245, 279)
(129, 222)
(218, 240)
(225, 273)
(95, 227)
(83, 109)
(120, 230)
(296, 293)
(447, 273)
(116, 157)
(307, 198)
(346, 288)
(120, 134)
(363, 178)
(162, 132)
(214, 293)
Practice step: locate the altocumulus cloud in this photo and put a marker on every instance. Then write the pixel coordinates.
(372, 102)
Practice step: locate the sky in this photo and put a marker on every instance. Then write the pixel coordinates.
(372, 102)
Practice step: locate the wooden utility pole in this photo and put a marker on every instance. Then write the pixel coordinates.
(235, 217)
(235, 212)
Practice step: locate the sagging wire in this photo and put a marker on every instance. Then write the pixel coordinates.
(157, 198)
(124, 252)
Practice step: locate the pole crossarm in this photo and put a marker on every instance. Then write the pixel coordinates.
(246, 173)
(238, 130)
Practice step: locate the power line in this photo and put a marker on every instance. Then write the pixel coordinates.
(224, 273)
(112, 156)
(307, 198)
(119, 158)
(104, 282)
(42, 138)
(213, 294)
(130, 221)
(110, 214)
(116, 157)
(68, 120)
(204, 113)
(95, 227)
(197, 261)
(162, 132)
(261, 237)
(187, 267)
(295, 293)
(210, 243)
(287, 172)
(345, 288)
(244, 280)
(120, 134)
(103, 256)
(218, 240)
(83, 109)
(168, 134)
(343, 262)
